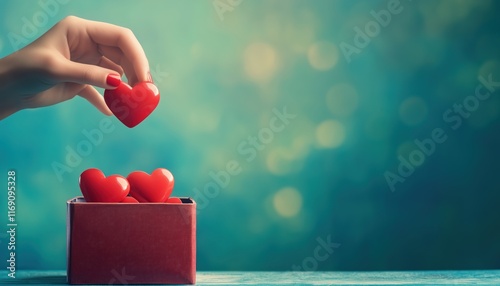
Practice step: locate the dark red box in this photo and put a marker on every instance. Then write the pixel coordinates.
(131, 243)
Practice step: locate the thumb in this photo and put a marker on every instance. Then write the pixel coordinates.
(80, 73)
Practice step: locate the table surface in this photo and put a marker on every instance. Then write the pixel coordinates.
(472, 277)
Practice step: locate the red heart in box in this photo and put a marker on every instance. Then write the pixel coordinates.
(97, 188)
(130, 200)
(174, 201)
(156, 187)
(132, 105)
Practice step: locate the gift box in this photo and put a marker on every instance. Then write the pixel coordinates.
(131, 243)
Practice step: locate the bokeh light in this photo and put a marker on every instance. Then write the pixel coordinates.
(330, 134)
(287, 202)
(261, 62)
(323, 55)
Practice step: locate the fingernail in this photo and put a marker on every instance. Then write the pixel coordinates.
(149, 77)
(113, 80)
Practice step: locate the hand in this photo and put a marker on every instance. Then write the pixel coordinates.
(68, 60)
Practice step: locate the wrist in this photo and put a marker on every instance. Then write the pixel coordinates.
(8, 100)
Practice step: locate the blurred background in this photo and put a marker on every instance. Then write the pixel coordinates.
(360, 100)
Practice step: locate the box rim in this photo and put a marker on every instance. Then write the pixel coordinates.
(74, 201)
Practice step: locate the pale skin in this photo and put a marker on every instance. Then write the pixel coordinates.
(68, 60)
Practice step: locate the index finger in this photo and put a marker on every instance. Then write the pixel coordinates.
(123, 38)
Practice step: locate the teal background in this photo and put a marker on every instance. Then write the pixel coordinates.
(323, 174)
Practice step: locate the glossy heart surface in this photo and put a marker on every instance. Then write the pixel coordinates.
(132, 105)
(129, 199)
(154, 188)
(174, 201)
(96, 187)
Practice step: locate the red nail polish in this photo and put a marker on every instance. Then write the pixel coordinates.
(113, 80)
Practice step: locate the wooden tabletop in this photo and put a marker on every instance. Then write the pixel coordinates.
(476, 277)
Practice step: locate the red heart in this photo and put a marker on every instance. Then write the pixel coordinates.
(129, 199)
(154, 188)
(96, 187)
(174, 201)
(132, 105)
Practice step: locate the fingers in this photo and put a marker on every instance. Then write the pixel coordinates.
(115, 48)
(67, 91)
(69, 71)
(116, 55)
(95, 98)
(114, 36)
(109, 64)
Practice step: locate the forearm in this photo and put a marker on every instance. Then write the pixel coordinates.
(8, 100)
